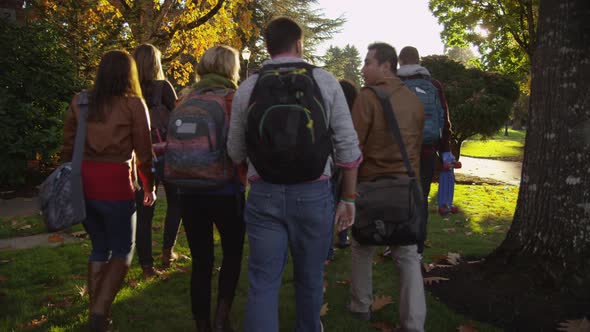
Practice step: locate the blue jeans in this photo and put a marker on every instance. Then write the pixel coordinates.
(111, 226)
(280, 217)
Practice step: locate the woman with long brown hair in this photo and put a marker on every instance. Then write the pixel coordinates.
(117, 127)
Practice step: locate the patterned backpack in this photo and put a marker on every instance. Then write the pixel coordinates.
(195, 154)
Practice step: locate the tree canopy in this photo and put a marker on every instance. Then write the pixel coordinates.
(503, 30)
(344, 63)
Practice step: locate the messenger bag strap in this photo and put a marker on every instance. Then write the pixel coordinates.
(393, 127)
(80, 139)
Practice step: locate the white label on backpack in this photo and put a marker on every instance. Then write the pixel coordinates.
(420, 90)
(187, 128)
(178, 122)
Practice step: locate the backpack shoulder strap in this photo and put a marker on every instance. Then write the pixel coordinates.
(393, 126)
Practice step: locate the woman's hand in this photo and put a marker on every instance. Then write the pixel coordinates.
(149, 198)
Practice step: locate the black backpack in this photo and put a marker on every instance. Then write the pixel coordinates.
(287, 135)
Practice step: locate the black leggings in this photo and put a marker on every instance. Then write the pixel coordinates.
(199, 212)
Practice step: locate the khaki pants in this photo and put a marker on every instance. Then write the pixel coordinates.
(412, 304)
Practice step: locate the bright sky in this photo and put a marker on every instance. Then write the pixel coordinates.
(396, 22)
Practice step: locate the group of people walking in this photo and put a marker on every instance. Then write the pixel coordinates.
(290, 207)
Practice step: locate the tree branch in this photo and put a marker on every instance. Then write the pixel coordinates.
(200, 21)
(121, 5)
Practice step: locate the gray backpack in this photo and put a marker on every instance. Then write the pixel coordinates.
(61, 196)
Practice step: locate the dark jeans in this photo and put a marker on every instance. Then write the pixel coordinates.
(427, 164)
(199, 212)
(145, 215)
(111, 226)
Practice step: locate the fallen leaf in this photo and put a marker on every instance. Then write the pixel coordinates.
(475, 262)
(4, 261)
(324, 310)
(383, 326)
(183, 258)
(65, 303)
(427, 267)
(449, 230)
(3, 279)
(433, 280)
(467, 328)
(380, 301)
(154, 243)
(83, 291)
(24, 227)
(182, 269)
(133, 283)
(325, 285)
(35, 323)
(55, 238)
(84, 245)
(344, 282)
(578, 325)
(468, 233)
(453, 258)
(81, 234)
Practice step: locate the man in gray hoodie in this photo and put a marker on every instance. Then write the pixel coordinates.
(410, 69)
(299, 215)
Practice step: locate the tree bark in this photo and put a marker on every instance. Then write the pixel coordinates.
(552, 219)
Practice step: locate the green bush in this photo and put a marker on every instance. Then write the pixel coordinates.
(38, 79)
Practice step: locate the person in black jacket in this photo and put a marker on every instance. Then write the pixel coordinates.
(158, 93)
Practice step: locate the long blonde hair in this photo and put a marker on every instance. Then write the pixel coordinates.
(222, 60)
(116, 77)
(149, 64)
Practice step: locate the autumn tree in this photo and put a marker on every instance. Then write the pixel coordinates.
(317, 28)
(503, 30)
(479, 102)
(463, 55)
(551, 227)
(344, 63)
(182, 30)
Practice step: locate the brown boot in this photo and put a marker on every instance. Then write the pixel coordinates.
(95, 273)
(221, 322)
(168, 257)
(149, 271)
(112, 280)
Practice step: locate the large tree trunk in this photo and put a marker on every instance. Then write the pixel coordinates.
(552, 219)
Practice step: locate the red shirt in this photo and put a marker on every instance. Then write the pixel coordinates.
(106, 181)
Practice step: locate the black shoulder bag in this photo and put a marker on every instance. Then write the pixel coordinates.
(389, 210)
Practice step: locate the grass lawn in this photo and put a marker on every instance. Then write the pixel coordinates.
(42, 289)
(509, 147)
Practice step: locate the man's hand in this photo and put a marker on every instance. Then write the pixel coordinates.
(149, 198)
(345, 213)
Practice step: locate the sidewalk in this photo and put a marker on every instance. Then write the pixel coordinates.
(18, 207)
(504, 171)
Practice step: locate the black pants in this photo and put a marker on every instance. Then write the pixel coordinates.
(427, 164)
(145, 215)
(199, 212)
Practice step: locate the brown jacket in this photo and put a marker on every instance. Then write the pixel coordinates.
(381, 154)
(125, 130)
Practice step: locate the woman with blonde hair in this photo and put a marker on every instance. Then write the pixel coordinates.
(117, 127)
(218, 69)
(161, 99)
